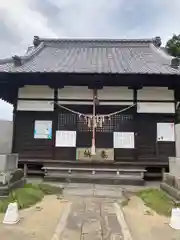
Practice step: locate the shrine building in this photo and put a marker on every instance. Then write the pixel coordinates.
(93, 108)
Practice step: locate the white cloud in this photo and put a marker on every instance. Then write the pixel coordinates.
(168, 21)
(79, 18)
(88, 18)
(23, 21)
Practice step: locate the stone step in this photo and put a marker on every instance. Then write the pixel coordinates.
(97, 178)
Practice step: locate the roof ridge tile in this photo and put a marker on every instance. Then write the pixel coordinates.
(92, 40)
(20, 60)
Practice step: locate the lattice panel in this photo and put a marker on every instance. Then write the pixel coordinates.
(116, 123)
(67, 121)
(82, 125)
(121, 122)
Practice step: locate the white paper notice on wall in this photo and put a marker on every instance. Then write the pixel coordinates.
(165, 132)
(65, 138)
(43, 130)
(123, 140)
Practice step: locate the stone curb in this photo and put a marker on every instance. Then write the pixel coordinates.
(120, 216)
(170, 190)
(62, 222)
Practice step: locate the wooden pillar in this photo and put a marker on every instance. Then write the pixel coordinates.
(177, 122)
(25, 170)
(135, 124)
(55, 122)
(93, 149)
(15, 101)
(163, 170)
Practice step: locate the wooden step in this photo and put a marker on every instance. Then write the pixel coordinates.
(126, 175)
(70, 168)
(94, 171)
(141, 162)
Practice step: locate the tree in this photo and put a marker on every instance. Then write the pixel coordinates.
(173, 46)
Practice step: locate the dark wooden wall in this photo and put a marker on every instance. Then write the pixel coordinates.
(25, 144)
(147, 148)
(144, 126)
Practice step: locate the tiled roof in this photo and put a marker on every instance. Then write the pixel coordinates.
(92, 56)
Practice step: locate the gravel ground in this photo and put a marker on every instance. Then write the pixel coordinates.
(38, 222)
(146, 224)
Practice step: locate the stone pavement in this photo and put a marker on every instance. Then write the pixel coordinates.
(92, 190)
(91, 219)
(94, 213)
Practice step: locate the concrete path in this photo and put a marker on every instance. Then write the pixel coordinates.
(92, 190)
(94, 213)
(91, 219)
(85, 189)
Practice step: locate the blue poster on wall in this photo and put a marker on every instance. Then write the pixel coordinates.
(43, 130)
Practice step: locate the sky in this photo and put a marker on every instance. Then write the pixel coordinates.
(21, 20)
